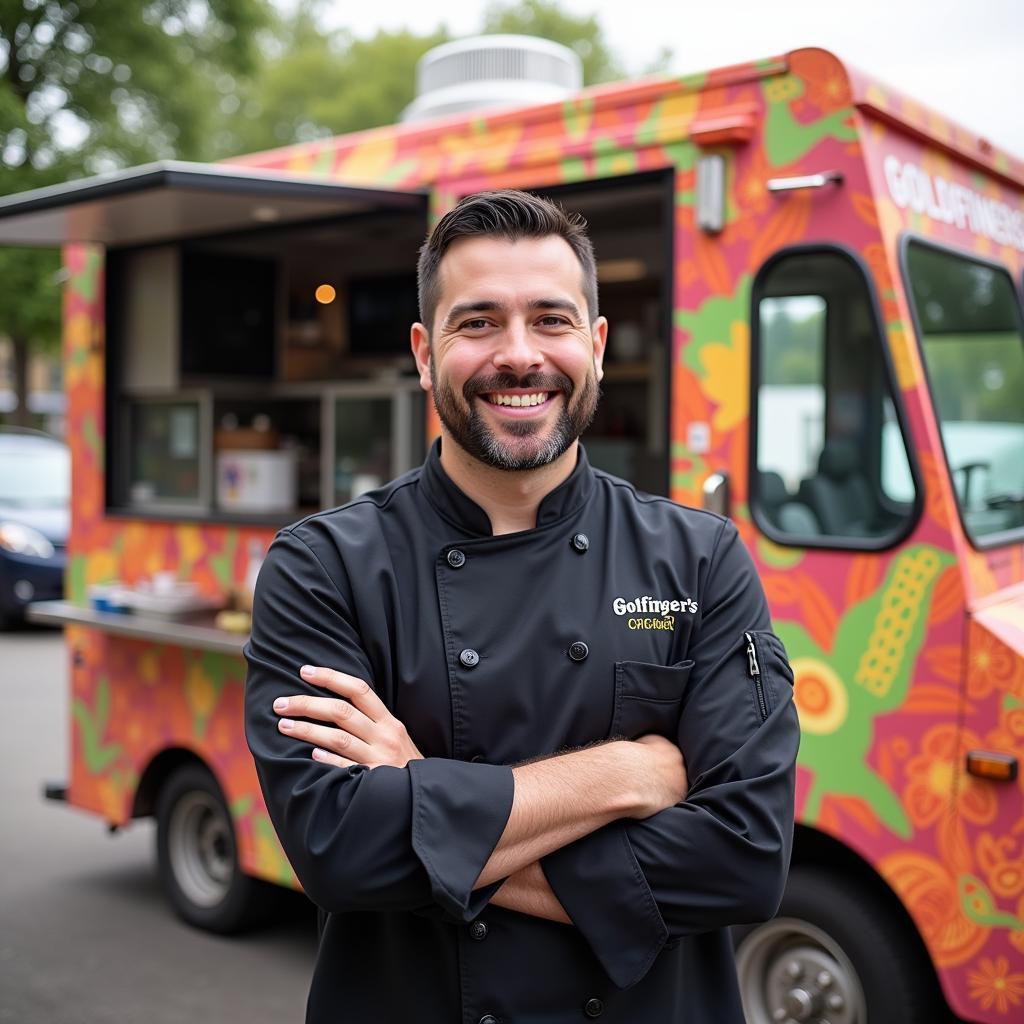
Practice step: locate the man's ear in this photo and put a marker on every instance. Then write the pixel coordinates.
(419, 338)
(599, 332)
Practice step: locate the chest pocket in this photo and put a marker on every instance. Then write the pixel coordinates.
(648, 698)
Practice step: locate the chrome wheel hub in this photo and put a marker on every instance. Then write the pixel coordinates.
(792, 972)
(201, 848)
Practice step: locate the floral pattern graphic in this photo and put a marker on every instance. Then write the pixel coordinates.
(993, 984)
(932, 780)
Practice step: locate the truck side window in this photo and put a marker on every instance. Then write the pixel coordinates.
(971, 332)
(831, 465)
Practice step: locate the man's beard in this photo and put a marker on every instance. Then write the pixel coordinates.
(468, 428)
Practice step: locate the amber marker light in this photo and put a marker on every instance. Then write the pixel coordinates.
(996, 767)
(325, 294)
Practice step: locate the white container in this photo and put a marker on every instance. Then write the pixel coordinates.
(257, 481)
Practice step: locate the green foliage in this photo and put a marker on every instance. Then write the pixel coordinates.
(31, 295)
(314, 83)
(103, 83)
(93, 85)
(544, 18)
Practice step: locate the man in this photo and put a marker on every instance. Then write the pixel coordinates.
(505, 658)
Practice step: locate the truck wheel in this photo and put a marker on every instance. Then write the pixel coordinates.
(835, 954)
(197, 855)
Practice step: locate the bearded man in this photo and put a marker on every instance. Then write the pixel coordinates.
(525, 733)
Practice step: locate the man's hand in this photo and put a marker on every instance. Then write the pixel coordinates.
(662, 773)
(360, 729)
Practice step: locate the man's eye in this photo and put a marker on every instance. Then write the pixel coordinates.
(475, 325)
(553, 321)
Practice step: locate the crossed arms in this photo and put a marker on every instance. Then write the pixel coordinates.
(556, 801)
(600, 836)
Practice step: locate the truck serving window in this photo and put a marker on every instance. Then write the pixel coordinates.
(969, 326)
(830, 460)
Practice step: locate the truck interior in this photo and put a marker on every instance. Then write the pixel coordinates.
(286, 344)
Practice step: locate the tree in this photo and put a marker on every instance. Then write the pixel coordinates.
(583, 34)
(93, 85)
(315, 82)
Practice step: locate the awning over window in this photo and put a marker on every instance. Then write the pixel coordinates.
(170, 201)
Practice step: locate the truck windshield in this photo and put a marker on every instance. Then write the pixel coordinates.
(970, 325)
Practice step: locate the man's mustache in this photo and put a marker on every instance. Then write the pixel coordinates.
(509, 381)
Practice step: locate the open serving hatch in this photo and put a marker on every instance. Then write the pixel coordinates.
(171, 201)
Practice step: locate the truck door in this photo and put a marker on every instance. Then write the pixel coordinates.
(834, 496)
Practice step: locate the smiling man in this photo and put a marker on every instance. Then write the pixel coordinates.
(525, 733)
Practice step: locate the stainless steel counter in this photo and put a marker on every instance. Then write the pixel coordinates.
(196, 631)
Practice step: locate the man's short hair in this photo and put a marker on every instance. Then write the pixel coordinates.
(510, 214)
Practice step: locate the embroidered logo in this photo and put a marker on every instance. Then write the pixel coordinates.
(647, 612)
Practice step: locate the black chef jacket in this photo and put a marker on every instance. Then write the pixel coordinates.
(620, 614)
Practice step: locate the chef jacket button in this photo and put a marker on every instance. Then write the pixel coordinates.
(578, 650)
(456, 559)
(593, 1007)
(581, 542)
(469, 658)
(488, 1018)
(478, 931)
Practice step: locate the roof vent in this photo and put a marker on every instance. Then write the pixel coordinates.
(492, 71)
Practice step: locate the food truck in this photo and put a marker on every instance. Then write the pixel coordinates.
(814, 286)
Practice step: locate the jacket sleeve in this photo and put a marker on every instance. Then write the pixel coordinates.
(722, 855)
(411, 838)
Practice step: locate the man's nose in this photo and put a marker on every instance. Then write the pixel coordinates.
(517, 350)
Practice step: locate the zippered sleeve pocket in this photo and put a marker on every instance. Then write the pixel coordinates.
(768, 668)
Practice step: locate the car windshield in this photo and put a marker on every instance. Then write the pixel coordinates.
(35, 475)
(970, 324)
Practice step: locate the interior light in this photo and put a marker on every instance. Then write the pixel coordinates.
(265, 214)
(325, 294)
(615, 271)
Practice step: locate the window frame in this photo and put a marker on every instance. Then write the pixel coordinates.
(186, 508)
(757, 293)
(990, 541)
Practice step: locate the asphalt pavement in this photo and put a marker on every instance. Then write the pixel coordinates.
(85, 935)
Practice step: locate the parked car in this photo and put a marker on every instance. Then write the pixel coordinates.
(35, 494)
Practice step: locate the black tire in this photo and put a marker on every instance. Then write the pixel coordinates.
(834, 939)
(197, 856)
